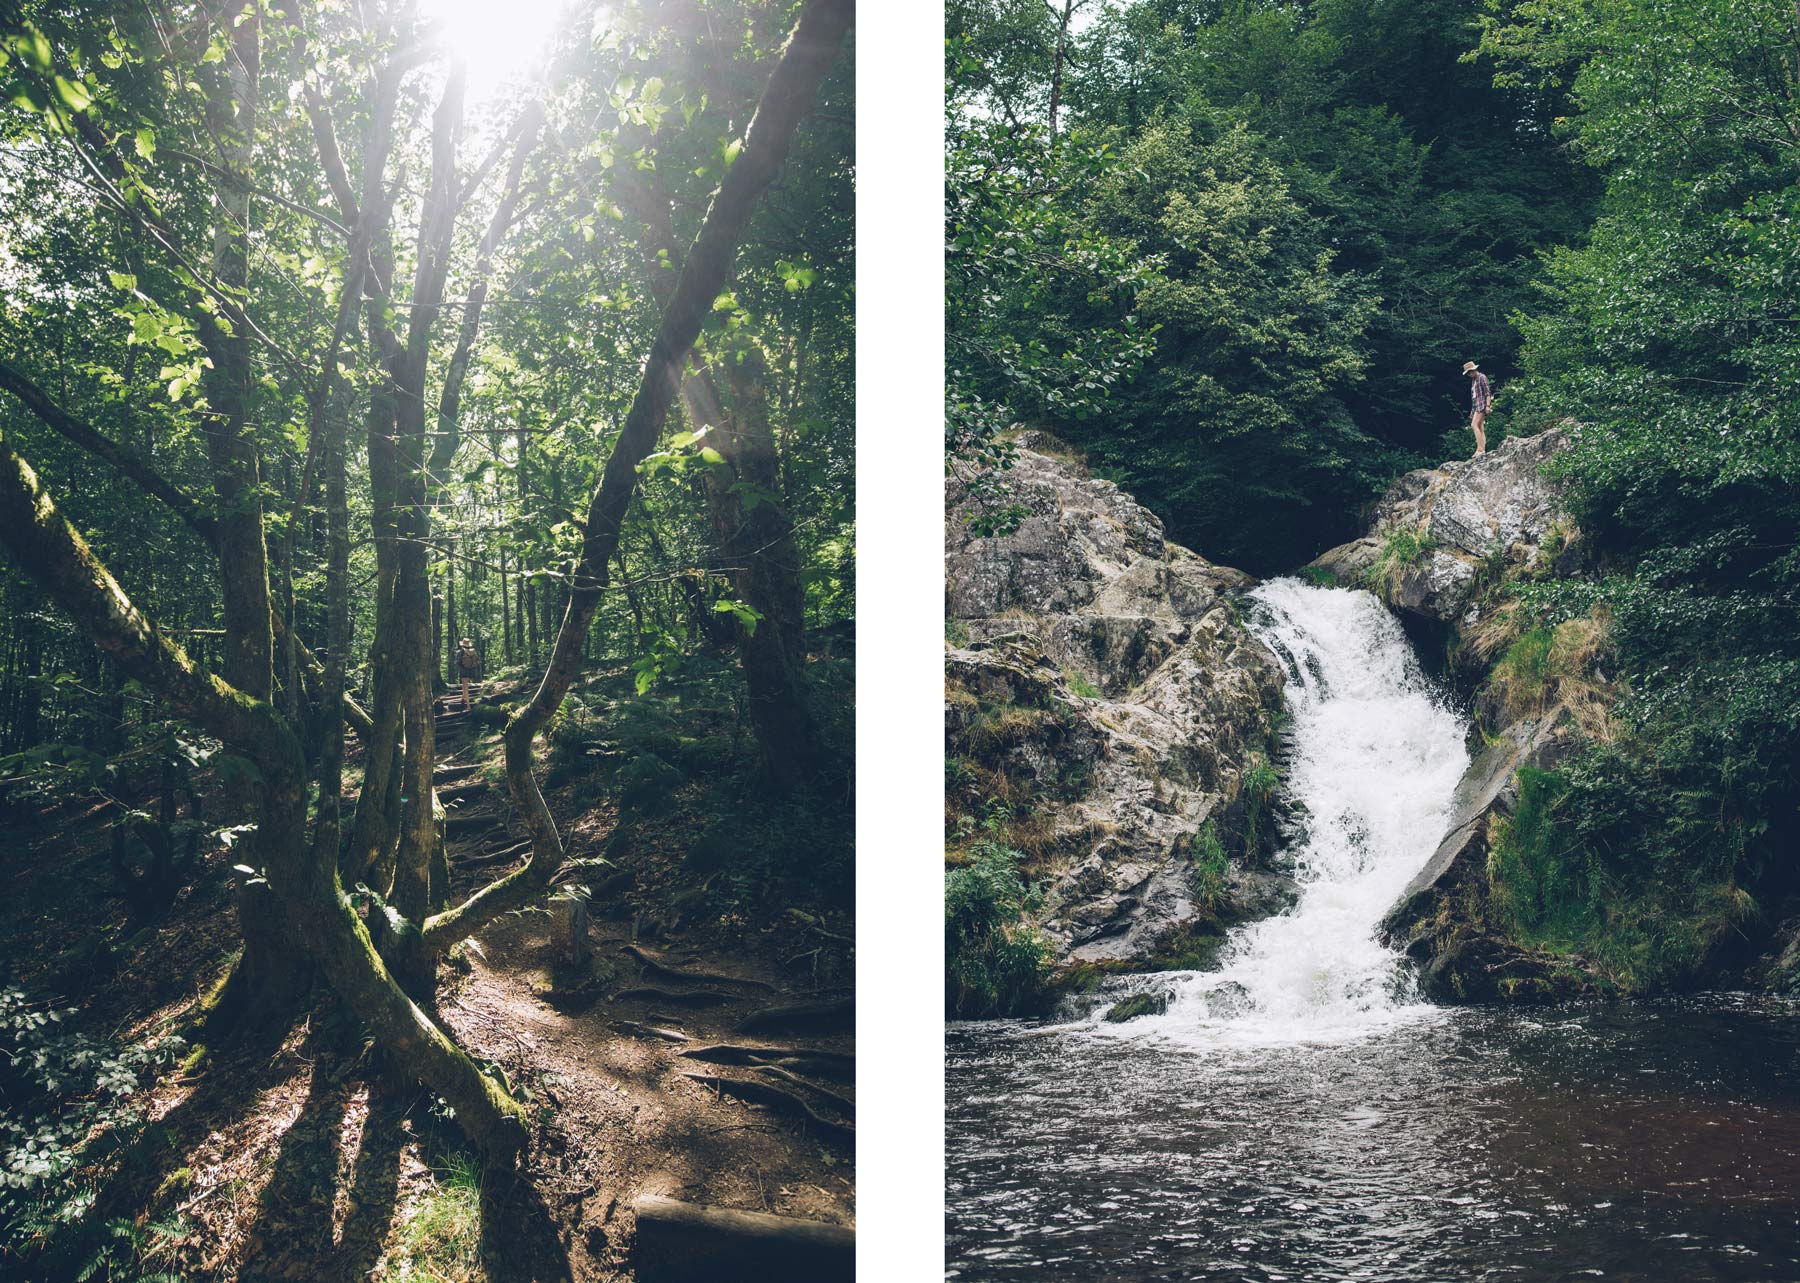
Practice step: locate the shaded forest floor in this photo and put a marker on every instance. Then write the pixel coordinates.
(304, 1160)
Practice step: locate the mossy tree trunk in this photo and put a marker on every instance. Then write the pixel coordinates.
(266, 985)
(302, 876)
(752, 532)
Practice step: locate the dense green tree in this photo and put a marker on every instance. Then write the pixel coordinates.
(1394, 201)
(1670, 336)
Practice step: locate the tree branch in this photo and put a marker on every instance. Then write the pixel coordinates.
(130, 464)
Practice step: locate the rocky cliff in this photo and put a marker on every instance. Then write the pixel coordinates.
(1104, 707)
(1451, 546)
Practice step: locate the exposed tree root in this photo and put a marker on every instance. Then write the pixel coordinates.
(634, 1029)
(684, 997)
(780, 1100)
(830, 1064)
(843, 1102)
(653, 962)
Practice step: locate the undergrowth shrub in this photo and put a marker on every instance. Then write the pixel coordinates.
(1549, 663)
(1401, 549)
(1260, 781)
(67, 1101)
(995, 962)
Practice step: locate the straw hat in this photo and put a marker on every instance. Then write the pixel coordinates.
(1469, 365)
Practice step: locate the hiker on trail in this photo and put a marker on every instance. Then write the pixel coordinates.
(468, 664)
(1481, 400)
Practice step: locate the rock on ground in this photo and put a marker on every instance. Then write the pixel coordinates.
(1107, 669)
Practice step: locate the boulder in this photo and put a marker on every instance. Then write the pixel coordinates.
(1498, 507)
(1107, 668)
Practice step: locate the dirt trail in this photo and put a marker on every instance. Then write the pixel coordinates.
(303, 1160)
(623, 1118)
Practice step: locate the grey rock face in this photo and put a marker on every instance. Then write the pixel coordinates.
(1496, 506)
(1087, 596)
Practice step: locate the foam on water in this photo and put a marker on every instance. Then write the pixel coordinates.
(1374, 756)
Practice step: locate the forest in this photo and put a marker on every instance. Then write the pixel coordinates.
(427, 545)
(1236, 252)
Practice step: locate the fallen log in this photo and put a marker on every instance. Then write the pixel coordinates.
(685, 1243)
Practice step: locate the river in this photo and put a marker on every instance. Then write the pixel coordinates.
(1299, 1114)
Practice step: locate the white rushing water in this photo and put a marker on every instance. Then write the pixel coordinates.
(1374, 756)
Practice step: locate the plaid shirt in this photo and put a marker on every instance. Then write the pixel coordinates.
(1481, 396)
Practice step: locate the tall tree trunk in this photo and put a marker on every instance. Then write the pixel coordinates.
(1056, 62)
(370, 854)
(421, 821)
(756, 538)
(266, 984)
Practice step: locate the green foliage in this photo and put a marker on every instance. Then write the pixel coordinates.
(1667, 334)
(1260, 781)
(995, 963)
(1210, 865)
(440, 1240)
(1082, 686)
(1648, 899)
(1014, 245)
(1139, 1004)
(1329, 208)
(1401, 549)
(1522, 675)
(66, 1099)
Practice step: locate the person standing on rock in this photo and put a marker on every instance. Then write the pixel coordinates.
(468, 664)
(1481, 400)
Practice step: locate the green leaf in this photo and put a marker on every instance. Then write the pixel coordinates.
(145, 141)
(73, 93)
(31, 45)
(122, 280)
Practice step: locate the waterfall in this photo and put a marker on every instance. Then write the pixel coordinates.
(1374, 755)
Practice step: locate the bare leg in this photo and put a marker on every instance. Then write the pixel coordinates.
(465, 682)
(1479, 423)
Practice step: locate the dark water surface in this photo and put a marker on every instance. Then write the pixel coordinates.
(1626, 1142)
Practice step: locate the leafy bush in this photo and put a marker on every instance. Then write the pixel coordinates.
(64, 1094)
(995, 963)
(1260, 781)
(1401, 549)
